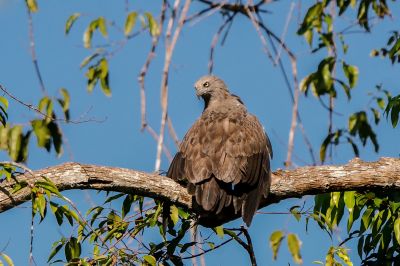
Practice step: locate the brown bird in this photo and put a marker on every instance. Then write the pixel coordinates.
(224, 158)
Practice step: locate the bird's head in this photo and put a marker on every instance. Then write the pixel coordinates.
(209, 86)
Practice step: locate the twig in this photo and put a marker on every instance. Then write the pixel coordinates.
(289, 17)
(143, 71)
(249, 246)
(256, 25)
(193, 233)
(164, 83)
(332, 52)
(19, 165)
(214, 7)
(272, 36)
(215, 40)
(172, 132)
(33, 51)
(31, 107)
(31, 258)
(211, 249)
(155, 137)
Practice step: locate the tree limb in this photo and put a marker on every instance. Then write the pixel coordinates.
(356, 175)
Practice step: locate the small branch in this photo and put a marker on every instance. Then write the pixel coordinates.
(33, 51)
(289, 17)
(36, 110)
(382, 175)
(249, 246)
(155, 137)
(215, 40)
(211, 249)
(143, 71)
(169, 49)
(172, 132)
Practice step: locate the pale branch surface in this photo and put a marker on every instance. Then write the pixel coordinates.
(356, 175)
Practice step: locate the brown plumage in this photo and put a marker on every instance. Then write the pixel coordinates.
(224, 158)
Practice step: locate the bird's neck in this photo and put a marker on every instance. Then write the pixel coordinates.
(216, 98)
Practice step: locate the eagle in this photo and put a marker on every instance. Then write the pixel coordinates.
(224, 158)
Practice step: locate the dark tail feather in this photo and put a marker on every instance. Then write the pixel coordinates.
(251, 202)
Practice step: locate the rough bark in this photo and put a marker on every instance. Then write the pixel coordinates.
(356, 175)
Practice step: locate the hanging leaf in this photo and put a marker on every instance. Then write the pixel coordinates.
(70, 21)
(351, 73)
(174, 214)
(14, 142)
(150, 260)
(7, 259)
(294, 247)
(32, 5)
(152, 24)
(130, 22)
(220, 231)
(396, 229)
(275, 241)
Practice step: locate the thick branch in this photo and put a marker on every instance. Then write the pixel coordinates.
(356, 175)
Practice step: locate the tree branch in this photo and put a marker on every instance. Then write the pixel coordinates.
(356, 175)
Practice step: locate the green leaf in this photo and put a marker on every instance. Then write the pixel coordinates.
(349, 199)
(396, 228)
(130, 22)
(381, 103)
(275, 241)
(89, 58)
(296, 213)
(72, 249)
(183, 214)
(4, 102)
(102, 26)
(324, 146)
(153, 25)
(46, 106)
(39, 204)
(32, 5)
(49, 186)
(174, 214)
(311, 19)
(294, 247)
(56, 248)
(377, 115)
(87, 37)
(114, 197)
(342, 253)
(14, 142)
(366, 219)
(127, 203)
(351, 73)
(42, 133)
(352, 122)
(70, 21)
(4, 137)
(308, 35)
(220, 231)
(150, 260)
(7, 259)
(56, 135)
(335, 196)
(66, 98)
(103, 66)
(3, 110)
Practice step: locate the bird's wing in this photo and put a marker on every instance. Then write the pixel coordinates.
(236, 151)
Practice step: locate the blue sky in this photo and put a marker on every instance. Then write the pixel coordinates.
(117, 140)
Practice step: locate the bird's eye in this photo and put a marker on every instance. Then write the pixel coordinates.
(206, 84)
